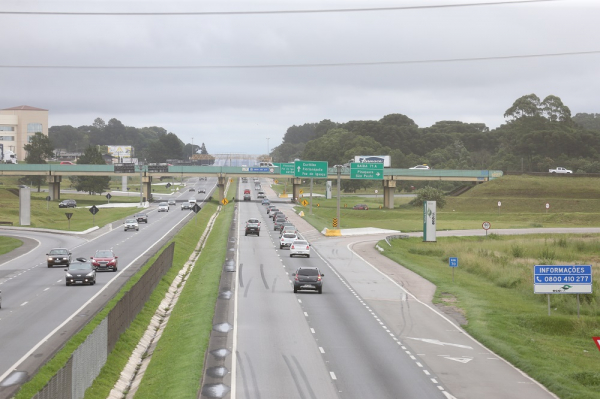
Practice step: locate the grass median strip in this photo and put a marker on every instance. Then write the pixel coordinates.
(185, 242)
(494, 288)
(178, 360)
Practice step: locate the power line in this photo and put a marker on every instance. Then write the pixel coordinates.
(309, 65)
(314, 11)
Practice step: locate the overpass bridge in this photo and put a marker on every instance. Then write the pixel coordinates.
(54, 174)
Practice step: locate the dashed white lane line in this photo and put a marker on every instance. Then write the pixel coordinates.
(306, 314)
(24, 303)
(332, 374)
(312, 330)
(46, 289)
(321, 350)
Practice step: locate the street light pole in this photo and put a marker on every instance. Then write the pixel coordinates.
(268, 149)
(339, 176)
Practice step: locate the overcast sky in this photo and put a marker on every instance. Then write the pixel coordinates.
(248, 110)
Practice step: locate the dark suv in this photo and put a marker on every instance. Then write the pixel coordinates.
(67, 204)
(58, 256)
(308, 278)
(253, 227)
(141, 217)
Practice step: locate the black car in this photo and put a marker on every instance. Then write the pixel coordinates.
(247, 197)
(252, 228)
(308, 278)
(202, 191)
(141, 217)
(80, 272)
(67, 204)
(192, 189)
(58, 256)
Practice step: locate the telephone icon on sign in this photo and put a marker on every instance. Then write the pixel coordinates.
(538, 279)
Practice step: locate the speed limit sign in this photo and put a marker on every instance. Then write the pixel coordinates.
(486, 225)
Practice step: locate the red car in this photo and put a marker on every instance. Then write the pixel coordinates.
(247, 191)
(361, 207)
(105, 259)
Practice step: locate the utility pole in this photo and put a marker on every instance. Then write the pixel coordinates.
(268, 149)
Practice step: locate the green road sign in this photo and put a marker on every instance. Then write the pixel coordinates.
(286, 169)
(310, 169)
(371, 171)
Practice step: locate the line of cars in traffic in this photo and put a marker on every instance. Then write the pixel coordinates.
(305, 277)
(82, 270)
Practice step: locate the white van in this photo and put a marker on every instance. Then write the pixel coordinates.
(192, 201)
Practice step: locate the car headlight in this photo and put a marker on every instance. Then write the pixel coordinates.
(50, 258)
(69, 274)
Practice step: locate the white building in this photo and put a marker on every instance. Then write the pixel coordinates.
(18, 124)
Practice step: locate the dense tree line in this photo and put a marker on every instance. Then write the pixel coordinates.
(538, 135)
(153, 144)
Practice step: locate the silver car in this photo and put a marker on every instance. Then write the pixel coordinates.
(131, 224)
(300, 247)
(287, 239)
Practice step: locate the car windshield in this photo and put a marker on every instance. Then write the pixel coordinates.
(308, 272)
(131, 221)
(80, 266)
(59, 252)
(300, 242)
(289, 235)
(104, 254)
(163, 204)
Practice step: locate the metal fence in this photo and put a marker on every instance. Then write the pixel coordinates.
(84, 365)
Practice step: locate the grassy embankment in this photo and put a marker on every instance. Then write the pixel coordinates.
(47, 214)
(185, 242)
(494, 288)
(573, 203)
(7, 244)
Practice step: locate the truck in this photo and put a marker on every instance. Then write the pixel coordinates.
(560, 169)
(384, 159)
(7, 156)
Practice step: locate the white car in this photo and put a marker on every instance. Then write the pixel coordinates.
(163, 207)
(131, 224)
(287, 239)
(261, 194)
(300, 247)
(422, 167)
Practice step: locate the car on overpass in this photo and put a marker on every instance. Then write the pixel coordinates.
(421, 167)
(80, 272)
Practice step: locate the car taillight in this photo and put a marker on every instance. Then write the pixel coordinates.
(307, 247)
(292, 247)
(296, 278)
(319, 278)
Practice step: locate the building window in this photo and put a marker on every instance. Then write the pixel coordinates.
(7, 128)
(7, 138)
(34, 128)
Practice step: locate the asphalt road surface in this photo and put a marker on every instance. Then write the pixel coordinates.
(39, 312)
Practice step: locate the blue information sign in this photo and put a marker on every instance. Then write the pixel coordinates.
(259, 170)
(453, 262)
(562, 279)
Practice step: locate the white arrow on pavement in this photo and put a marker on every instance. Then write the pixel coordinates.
(437, 342)
(459, 359)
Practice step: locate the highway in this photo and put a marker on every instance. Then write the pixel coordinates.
(39, 312)
(373, 333)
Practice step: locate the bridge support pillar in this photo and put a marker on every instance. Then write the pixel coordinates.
(147, 187)
(54, 187)
(221, 182)
(296, 182)
(389, 189)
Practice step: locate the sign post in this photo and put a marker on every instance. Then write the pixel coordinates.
(94, 210)
(547, 206)
(108, 197)
(69, 218)
(429, 221)
(486, 226)
(562, 279)
(453, 264)
(47, 201)
(499, 205)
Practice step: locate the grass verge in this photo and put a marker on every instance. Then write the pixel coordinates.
(7, 244)
(185, 242)
(178, 360)
(494, 288)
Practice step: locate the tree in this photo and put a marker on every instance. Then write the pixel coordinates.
(203, 149)
(168, 146)
(38, 150)
(91, 184)
(554, 109)
(528, 105)
(429, 193)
